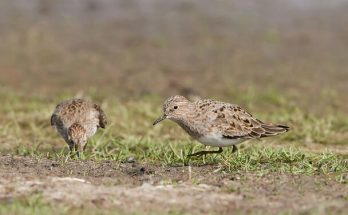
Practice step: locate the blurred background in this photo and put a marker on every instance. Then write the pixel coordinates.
(220, 49)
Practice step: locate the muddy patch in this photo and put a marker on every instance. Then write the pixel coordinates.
(136, 187)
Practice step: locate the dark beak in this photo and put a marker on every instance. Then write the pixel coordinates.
(159, 119)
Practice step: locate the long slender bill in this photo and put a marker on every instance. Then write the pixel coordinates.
(159, 119)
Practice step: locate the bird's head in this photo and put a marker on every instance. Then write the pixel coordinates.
(77, 136)
(175, 108)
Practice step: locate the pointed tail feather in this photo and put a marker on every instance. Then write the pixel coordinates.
(286, 128)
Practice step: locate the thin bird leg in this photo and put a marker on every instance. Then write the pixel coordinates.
(70, 148)
(73, 150)
(206, 152)
(84, 147)
(77, 151)
(234, 149)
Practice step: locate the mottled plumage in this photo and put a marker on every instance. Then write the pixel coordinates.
(215, 123)
(77, 120)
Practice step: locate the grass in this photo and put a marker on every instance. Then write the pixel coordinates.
(314, 145)
(261, 160)
(309, 147)
(43, 63)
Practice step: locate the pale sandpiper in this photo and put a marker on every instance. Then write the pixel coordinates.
(215, 123)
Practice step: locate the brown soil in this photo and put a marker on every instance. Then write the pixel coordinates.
(135, 187)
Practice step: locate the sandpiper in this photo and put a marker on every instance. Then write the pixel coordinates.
(77, 120)
(215, 123)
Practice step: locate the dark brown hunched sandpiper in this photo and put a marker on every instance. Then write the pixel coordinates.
(77, 120)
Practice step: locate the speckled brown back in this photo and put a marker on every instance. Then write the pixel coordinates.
(233, 121)
(80, 112)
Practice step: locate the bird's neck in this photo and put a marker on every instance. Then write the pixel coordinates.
(189, 126)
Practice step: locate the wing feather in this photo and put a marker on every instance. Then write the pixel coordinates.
(102, 117)
(235, 122)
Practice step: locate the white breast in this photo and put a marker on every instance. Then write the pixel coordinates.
(217, 140)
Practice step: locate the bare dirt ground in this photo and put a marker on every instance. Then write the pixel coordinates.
(127, 49)
(134, 187)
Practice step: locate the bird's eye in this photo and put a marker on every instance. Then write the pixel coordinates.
(175, 107)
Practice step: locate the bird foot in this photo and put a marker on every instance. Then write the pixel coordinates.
(200, 153)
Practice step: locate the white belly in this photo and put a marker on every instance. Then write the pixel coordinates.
(90, 130)
(218, 140)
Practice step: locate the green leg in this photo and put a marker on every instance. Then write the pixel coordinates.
(234, 149)
(200, 153)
